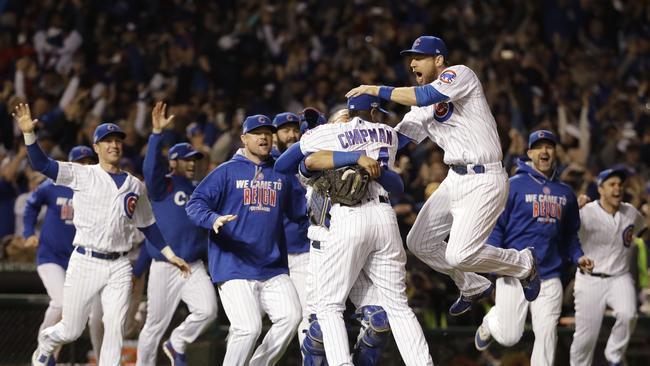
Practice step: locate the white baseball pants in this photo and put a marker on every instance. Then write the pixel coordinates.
(85, 278)
(507, 318)
(165, 291)
(592, 295)
(366, 238)
(298, 272)
(466, 208)
(244, 302)
(52, 275)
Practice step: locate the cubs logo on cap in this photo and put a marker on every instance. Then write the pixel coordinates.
(428, 45)
(257, 121)
(106, 129)
(541, 135)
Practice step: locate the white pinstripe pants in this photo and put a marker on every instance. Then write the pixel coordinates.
(165, 291)
(244, 302)
(592, 295)
(299, 273)
(85, 278)
(507, 318)
(366, 238)
(466, 208)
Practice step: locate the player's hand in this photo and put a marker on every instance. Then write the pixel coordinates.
(23, 117)
(370, 165)
(182, 265)
(31, 242)
(586, 263)
(158, 118)
(221, 221)
(583, 199)
(363, 89)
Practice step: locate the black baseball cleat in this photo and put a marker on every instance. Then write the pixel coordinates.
(532, 283)
(464, 303)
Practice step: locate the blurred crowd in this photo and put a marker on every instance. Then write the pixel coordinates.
(580, 68)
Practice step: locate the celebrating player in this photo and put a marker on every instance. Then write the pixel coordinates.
(450, 108)
(108, 204)
(541, 212)
(244, 202)
(168, 194)
(362, 237)
(608, 227)
(287, 126)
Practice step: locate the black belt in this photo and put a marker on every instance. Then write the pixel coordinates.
(462, 169)
(100, 255)
(595, 274)
(382, 199)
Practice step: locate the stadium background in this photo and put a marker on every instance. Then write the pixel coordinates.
(579, 68)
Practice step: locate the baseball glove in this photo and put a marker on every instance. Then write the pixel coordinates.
(347, 185)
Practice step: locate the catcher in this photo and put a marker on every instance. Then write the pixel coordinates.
(363, 234)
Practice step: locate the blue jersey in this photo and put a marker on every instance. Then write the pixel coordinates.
(252, 246)
(295, 232)
(542, 213)
(57, 231)
(168, 195)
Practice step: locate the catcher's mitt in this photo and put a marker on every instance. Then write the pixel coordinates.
(347, 185)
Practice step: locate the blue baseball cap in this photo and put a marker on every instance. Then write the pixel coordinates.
(541, 135)
(192, 129)
(183, 151)
(106, 129)
(80, 152)
(608, 173)
(257, 121)
(365, 102)
(284, 118)
(428, 45)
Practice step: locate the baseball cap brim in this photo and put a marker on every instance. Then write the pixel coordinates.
(271, 127)
(119, 133)
(193, 155)
(418, 52)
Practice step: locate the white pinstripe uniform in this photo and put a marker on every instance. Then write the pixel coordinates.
(105, 217)
(364, 238)
(606, 239)
(464, 207)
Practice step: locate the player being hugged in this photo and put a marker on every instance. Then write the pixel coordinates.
(108, 204)
(541, 212)
(450, 108)
(169, 193)
(244, 201)
(608, 229)
(363, 234)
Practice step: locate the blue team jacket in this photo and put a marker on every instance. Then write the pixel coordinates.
(253, 246)
(57, 231)
(542, 213)
(295, 232)
(168, 195)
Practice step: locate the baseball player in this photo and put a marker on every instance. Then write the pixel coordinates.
(287, 126)
(364, 237)
(450, 108)
(243, 202)
(168, 195)
(108, 204)
(607, 231)
(55, 239)
(542, 212)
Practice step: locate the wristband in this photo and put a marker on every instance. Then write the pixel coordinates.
(30, 138)
(168, 252)
(385, 92)
(344, 158)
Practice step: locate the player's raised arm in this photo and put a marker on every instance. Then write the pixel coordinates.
(37, 158)
(153, 167)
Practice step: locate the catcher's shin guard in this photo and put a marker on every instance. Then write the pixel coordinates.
(312, 347)
(373, 337)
